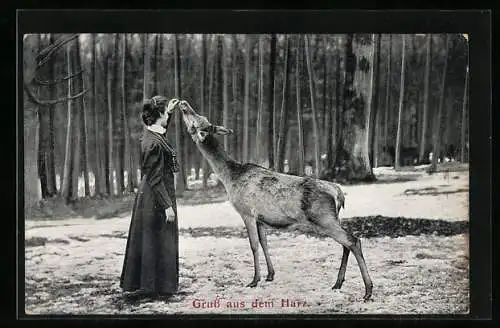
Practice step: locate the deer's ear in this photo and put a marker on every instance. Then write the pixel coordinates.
(222, 130)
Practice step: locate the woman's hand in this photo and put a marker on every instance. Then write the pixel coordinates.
(169, 215)
(171, 105)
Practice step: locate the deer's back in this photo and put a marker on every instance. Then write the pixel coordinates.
(281, 199)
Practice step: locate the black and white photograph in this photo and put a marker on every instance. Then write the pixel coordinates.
(233, 173)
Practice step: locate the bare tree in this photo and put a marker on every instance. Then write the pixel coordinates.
(375, 108)
(271, 131)
(202, 161)
(97, 168)
(127, 154)
(388, 93)
(246, 105)
(147, 66)
(437, 121)
(31, 78)
(181, 180)
(283, 123)
(260, 106)
(44, 137)
(83, 123)
(225, 82)
(312, 93)
(352, 162)
(300, 124)
(338, 118)
(67, 186)
(427, 81)
(234, 82)
(110, 162)
(464, 115)
(400, 110)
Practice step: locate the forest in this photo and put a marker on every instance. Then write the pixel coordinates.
(333, 106)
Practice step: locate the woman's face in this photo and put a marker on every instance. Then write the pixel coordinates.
(163, 118)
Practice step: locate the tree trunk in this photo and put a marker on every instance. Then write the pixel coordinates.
(300, 124)
(312, 93)
(331, 126)
(272, 65)
(83, 123)
(260, 106)
(236, 144)
(206, 167)
(155, 64)
(51, 165)
(202, 161)
(110, 174)
(329, 129)
(180, 177)
(147, 67)
(284, 124)
(43, 139)
(397, 161)
(118, 134)
(464, 115)
(127, 155)
(30, 176)
(352, 160)
(427, 82)
(225, 97)
(388, 94)
(246, 100)
(77, 134)
(375, 108)
(67, 185)
(436, 152)
(98, 182)
(325, 126)
(338, 119)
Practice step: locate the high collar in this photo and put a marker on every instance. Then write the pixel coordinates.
(156, 128)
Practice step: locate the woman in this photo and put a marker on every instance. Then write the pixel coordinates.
(151, 265)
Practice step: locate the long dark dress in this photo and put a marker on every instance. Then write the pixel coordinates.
(151, 263)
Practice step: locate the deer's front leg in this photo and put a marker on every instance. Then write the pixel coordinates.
(253, 236)
(263, 242)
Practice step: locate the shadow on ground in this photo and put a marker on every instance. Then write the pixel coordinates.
(432, 191)
(363, 227)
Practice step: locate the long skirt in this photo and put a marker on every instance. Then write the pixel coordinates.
(151, 263)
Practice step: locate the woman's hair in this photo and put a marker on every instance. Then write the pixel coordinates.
(152, 109)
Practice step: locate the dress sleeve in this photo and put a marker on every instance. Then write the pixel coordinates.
(154, 170)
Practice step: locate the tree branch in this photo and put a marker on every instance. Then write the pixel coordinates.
(46, 54)
(37, 81)
(37, 101)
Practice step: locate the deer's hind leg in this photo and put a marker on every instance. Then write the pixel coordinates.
(263, 242)
(350, 243)
(343, 267)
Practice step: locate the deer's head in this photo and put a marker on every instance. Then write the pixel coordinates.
(197, 125)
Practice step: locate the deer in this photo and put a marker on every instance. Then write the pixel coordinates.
(262, 196)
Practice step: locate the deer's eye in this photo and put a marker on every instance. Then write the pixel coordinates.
(192, 129)
(208, 129)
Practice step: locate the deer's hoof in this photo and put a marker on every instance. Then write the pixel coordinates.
(367, 297)
(253, 283)
(338, 284)
(270, 277)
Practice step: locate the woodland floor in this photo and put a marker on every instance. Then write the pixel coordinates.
(414, 230)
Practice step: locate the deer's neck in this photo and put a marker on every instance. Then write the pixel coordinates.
(217, 158)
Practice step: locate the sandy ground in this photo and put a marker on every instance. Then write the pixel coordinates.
(73, 266)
